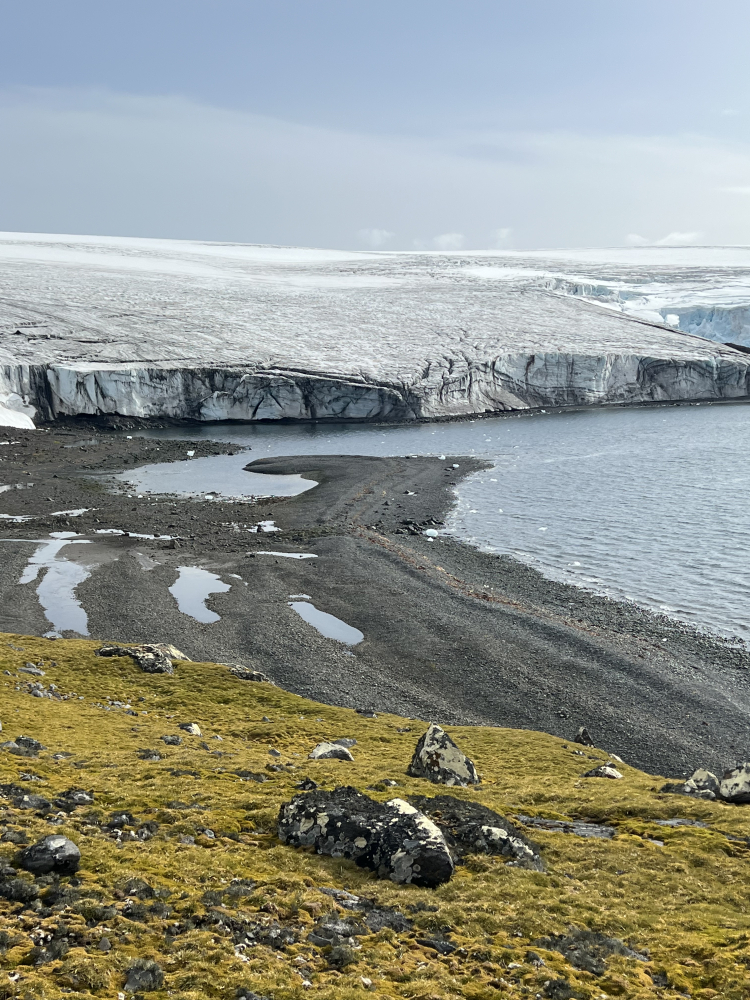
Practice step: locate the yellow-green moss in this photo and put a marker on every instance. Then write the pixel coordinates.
(685, 902)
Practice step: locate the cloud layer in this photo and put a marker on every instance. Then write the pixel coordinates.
(115, 164)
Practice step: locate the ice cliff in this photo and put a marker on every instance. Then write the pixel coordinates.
(228, 331)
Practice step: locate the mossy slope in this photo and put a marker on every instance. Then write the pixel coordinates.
(683, 900)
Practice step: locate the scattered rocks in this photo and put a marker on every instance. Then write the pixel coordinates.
(701, 785)
(393, 839)
(438, 759)
(243, 673)
(192, 728)
(604, 771)
(144, 974)
(589, 950)
(330, 751)
(583, 737)
(735, 784)
(73, 798)
(151, 657)
(51, 854)
(471, 828)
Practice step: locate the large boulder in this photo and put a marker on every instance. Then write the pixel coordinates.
(438, 759)
(330, 751)
(51, 854)
(151, 657)
(604, 771)
(471, 828)
(735, 784)
(701, 785)
(393, 839)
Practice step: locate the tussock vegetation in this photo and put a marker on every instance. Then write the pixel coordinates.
(197, 863)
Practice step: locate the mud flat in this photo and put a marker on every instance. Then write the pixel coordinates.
(450, 633)
(160, 328)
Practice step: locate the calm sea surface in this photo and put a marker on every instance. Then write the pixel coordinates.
(649, 505)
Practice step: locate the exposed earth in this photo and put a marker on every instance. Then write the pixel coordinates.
(450, 634)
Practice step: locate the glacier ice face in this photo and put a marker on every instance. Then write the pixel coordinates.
(233, 332)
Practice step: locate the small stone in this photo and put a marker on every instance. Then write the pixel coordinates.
(583, 737)
(144, 974)
(274, 753)
(345, 741)
(149, 755)
(170, 740)
(192, 728)
(605, 771)
(330, 751)
(243, 673)
(438, 759)
(366, 981)
(51, 854)
(307, 785)
(105, 945)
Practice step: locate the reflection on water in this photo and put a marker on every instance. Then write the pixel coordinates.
(644, 503)
(191, 590)
(327, 625)
(60, 577)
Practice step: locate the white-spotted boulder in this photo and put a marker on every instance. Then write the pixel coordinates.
(393, 839)
(735, 784)
(438, 759)
(701, 784)
(330, 751)
(51, 854)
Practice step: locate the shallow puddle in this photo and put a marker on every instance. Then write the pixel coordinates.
(327, 625)
(56, 590)
(216, 477)
(191, 590)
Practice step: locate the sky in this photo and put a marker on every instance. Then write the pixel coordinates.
(378, 124)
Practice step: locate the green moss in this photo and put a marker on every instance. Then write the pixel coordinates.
(684, 902)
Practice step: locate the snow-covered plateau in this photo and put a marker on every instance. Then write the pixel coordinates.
(210, 331)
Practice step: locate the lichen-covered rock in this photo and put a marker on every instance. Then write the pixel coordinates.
(151, 657)
(330, 751)
(144, 974)
(243, 673)
(604, 771)
(471, 828)
(51, 854)
(701, 784)
(393, 839)
(438, 759)
(735, 784)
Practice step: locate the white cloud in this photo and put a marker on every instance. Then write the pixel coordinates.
(678, 239)
(634, 240)
(375, 237)
(737, 189)
(448, 241)
(114, 164)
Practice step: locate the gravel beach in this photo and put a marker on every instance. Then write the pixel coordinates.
(450, 633)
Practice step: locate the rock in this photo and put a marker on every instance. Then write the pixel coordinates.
(37, 802)
(73, 798)
(605, 771)
(368, 713)
(307, 785)
(151, 657)
(245, 993)
(192, 728)
(471, 828)
(12, 747)
(31, 668)
(29, 743)
(583, 737)
(701, 785)
(243, 673)
(735, 784)
(345, 741)
(51, 854)
(144, 974)
(393, 839)
(438, 759)
(151, 755)
(171, 740)
(588, 950)
(104, 945)
(330, 751)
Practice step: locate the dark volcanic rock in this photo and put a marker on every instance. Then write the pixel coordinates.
(471, 828)
(583, 737)
(588, 950)
(144, 974)
(51, 854)
(438, 759)
(73, 798)
(393, 839)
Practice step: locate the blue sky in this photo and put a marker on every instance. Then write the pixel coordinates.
(445, 124)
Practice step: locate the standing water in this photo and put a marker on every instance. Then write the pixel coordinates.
(647, 504)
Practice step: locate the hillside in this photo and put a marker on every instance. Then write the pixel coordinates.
(196, 869)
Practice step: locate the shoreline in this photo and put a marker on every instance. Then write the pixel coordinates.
(451, 633)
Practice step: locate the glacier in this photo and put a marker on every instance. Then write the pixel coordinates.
(216, 331)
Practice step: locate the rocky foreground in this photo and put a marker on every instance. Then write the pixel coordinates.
(169, 829)
(168, 328)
